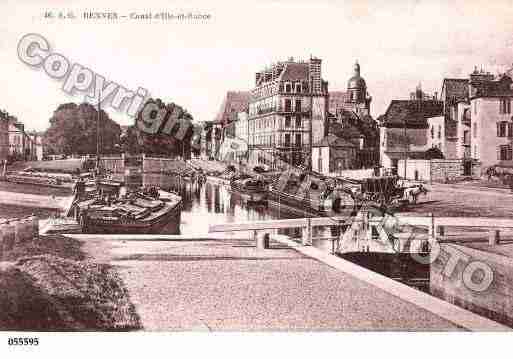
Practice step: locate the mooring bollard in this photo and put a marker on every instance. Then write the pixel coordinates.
(8, 236)
(22, 231)
(34, 227)
(306, 233)
(494, 237)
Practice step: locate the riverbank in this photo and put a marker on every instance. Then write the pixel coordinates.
(49, 284)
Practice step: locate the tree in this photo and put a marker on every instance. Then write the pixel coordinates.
(73, 130)
(434, 153)
(162, 143)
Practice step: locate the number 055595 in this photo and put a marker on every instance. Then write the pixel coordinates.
(23, 341)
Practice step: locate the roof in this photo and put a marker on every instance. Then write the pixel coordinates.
(333, 141)
(413, 113)
(347, 131)
(356, 82)
(234, 101)
(499, 88)
(337, 100)
(295, 71)
(455, 89)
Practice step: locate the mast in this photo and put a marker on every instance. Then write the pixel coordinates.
(98, 133)
(406, 146)
(310, 126)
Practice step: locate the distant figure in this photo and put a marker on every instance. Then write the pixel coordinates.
(490, 172)
(412, 193)
(79, 188)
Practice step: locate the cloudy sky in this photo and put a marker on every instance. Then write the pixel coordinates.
(398, 44)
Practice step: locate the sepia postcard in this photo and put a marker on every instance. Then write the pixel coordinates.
(253, 176)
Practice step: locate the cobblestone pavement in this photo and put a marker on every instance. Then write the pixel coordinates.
(228, 284)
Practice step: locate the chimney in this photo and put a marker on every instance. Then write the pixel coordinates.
(314, 69)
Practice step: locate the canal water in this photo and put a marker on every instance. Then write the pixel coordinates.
(210, 203)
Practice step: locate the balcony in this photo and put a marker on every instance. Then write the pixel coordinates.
(283, 110)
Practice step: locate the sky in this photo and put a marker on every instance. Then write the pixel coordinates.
(398, 44)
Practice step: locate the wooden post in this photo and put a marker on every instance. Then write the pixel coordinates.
(441, 230)
(255, 238)
(262, 240)
(8, 236)
(494, 237)
(1, 241)
(431, 229)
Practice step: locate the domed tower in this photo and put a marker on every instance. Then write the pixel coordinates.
(357, 90)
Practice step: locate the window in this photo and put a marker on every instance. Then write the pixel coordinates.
(298, 105)
(505, 153)
(298, 87)
(287, 121)
(432, 132)
(298, 121)
(475, 107)
(298, 140)
(501, 129)
(439, 131)
(288, 105)
(288, 88)
(287, 140)
(505, 105)
(510, 129)
(319, 161)
(475, 130)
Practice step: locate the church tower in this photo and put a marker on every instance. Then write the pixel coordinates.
(357, 92)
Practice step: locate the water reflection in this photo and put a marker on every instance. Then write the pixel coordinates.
(209, 203)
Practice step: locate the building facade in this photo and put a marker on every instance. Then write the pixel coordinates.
(287, 112)
(242, 126)
(491, 121)
(224, 122)
(409, 128)
(15, 142)
(4, 137)
(333, 154)
(479, 121)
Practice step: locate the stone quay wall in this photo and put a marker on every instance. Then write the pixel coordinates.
(495, 302)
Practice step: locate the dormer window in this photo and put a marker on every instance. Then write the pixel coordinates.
(298, 88)
(288, 88)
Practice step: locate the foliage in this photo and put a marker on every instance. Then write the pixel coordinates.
(161, 143)
(73, 130)
(434, 153)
